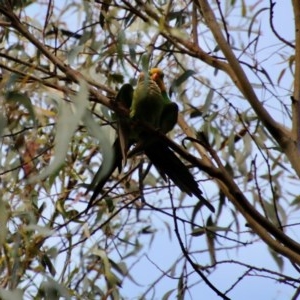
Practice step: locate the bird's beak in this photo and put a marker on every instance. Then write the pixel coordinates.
(155, 77)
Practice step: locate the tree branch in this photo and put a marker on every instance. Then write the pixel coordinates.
(68, 71)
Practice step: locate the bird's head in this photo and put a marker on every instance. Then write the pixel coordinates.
(157, 75)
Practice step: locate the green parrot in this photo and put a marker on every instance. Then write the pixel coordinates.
(150, 106)
(126, 136)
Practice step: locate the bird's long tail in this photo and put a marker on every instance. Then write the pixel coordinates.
(167, 163)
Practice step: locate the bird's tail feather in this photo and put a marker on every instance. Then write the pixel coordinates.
(117, 163)
(167, 163)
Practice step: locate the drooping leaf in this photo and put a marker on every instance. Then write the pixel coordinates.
(181, 287)
(167, 295)
(296, 201)
(254, 18)
(208, 101)
(102, 134)
(46, 262)
(103, 12)
(196, 210)
(109, 275)
(68, 120)
(210, 237)
(277, 258)
(132, 52)
(180, 80)
(3, 123)
(130, 18)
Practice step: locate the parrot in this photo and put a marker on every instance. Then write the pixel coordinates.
(124, 141)
(149, 105)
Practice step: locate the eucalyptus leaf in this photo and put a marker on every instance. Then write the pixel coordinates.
(110, 277)
(70, 116)
(102, 134)
(168, 294)
(180, 80)
(3, 123)
(208, 102)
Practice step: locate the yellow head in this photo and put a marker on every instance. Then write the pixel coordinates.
(157, 75)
